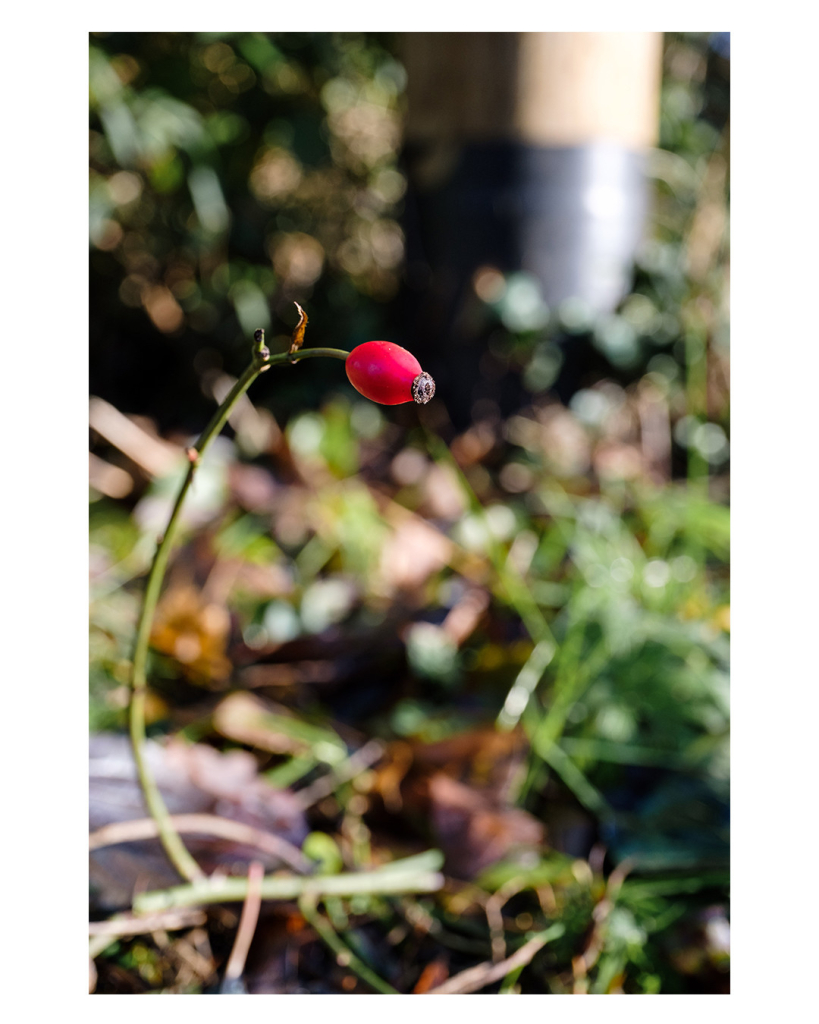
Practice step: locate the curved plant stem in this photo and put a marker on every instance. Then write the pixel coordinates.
(344, 955)
(173, 845)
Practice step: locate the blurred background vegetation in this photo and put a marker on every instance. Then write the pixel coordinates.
(524, 618)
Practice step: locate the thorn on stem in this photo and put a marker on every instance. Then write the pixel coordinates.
(261, 349)
(193, 456)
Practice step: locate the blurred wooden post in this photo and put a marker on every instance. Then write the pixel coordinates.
(525, 151)
(545, 88)
(580, 87)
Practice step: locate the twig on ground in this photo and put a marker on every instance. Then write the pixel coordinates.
(153, 456)
(475, 978)
(127, 924)
(492, 908)
(247, 922)
(191, 963)
(583, 963)
(202, 824)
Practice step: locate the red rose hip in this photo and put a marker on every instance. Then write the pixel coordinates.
(388, 374)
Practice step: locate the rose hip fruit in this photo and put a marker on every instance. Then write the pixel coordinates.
(388, 374)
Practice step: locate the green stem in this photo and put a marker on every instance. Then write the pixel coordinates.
(525, 685)
(173, 845)
(696, 395)
(405, 876)
(344, 955)
(307, 353)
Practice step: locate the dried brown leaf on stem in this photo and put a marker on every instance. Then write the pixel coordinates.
(298, 331)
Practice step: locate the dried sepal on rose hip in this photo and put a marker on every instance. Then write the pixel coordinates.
(388, 374)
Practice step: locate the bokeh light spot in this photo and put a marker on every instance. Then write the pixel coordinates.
(656, 573)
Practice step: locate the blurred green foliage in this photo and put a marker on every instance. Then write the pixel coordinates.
(232, 174)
